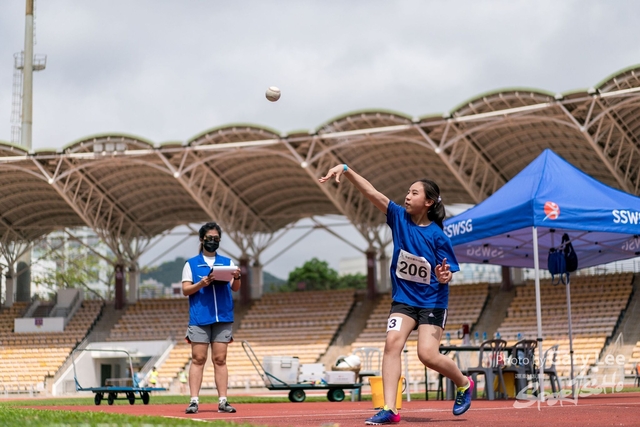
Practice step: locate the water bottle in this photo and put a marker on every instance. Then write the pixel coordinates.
(519, 336)
(448, 338)
(497, 335)
(484, 336)
(477, 338)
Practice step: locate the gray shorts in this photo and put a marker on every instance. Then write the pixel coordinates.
(216, 332)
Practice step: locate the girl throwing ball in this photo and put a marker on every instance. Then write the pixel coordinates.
(419, 286)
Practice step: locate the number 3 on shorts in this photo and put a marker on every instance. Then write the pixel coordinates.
(394, 323)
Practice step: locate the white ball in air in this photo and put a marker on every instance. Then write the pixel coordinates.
(273, 94)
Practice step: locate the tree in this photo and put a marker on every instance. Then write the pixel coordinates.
(353, 281)
(75, 267)
(317, 275)
(313, 275)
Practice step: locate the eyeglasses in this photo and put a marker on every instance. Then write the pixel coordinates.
(211, 238)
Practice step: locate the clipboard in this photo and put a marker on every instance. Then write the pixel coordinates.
(223, 273)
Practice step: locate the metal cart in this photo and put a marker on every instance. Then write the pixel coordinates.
(111, 391)
(335, 392)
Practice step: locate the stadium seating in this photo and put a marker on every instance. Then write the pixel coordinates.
(26, 359)
(596, 306)
(152, 319)
(178, 358)
(303, 325)
(7, 315)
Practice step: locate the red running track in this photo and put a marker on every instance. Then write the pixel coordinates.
(620, 409)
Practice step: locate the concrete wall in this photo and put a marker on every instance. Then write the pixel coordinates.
(39, 324)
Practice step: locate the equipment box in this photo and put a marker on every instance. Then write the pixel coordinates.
(284, 368)
(340, 377)
(311, 372)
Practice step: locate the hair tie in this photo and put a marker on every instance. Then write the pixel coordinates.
(439, 199)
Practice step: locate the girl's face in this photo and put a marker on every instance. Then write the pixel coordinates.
(416, 202)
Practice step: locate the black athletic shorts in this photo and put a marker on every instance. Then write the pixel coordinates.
(422, 316)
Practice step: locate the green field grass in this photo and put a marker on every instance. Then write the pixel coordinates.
(14, 414)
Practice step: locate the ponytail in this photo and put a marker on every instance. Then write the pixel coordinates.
(436, 212)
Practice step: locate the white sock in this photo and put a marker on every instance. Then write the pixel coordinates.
(194, 399)
(221, 400)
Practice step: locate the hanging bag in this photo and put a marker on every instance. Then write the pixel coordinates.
(557, 266)
(570, 257)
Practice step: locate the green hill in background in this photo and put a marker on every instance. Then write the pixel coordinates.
(166, 273)
(271, 283)
(171, 272)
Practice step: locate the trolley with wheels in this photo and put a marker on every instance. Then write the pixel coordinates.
(297, 393)
(114, 392)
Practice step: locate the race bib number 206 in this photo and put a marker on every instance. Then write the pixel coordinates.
(414, 268)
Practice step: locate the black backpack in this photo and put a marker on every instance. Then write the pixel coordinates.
(570, 257)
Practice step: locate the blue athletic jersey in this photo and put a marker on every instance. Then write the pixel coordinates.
(416, 250)
(213, 303)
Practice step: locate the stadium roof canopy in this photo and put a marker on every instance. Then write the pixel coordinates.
(254, 180)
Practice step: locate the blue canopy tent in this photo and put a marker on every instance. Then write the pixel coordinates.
(519, 223)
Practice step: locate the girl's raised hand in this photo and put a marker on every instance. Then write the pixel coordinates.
(336, 171)
(443, 272)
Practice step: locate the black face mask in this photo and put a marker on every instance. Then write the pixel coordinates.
(211, 246)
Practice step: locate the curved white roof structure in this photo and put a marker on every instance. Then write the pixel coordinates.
(254, 180)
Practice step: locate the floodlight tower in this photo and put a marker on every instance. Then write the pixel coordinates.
(25, 64)
(22, 119)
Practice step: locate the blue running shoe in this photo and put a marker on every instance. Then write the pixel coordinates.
(385, 416)
(463, 399)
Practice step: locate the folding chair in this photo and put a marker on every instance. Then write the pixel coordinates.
(494, 351)
(551, 370)
(525, 367)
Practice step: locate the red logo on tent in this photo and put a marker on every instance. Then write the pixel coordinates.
(552, 210)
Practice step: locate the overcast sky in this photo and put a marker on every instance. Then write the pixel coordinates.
(168, 70)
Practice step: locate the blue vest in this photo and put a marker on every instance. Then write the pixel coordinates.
(213, 303)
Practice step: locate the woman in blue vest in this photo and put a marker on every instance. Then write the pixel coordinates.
(419, 286)
(210, 315)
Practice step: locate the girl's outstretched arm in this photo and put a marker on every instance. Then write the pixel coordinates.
(369, 191)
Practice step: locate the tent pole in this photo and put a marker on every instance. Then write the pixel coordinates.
(573, 386)
(536, 265)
